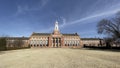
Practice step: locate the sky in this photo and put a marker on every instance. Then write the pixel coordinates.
(23, 17)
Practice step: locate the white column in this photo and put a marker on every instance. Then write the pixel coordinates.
(42, 43)
(55, 42)
(52, 42)
(58, 42)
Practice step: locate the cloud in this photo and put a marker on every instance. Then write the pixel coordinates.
(23, 9)
(85, 19)
(61, 22)
(97, 15)
(64, 22)
(44, 2)
(105, 13)
(80, 21)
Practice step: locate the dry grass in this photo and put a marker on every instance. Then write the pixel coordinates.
(59, 58)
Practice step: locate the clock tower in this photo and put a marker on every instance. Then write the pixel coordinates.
(56, 29)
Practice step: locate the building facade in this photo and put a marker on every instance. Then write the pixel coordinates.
(92, 42)
(17, 42)
(55, 39)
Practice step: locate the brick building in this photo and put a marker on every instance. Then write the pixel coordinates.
(55, 39)
(92, 42)
(17, 42)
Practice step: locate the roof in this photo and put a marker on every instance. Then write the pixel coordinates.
(90, 38)
(46, 34)
(74, 34)
(22, 38)
(38, 34)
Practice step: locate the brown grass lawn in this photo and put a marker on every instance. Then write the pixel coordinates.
(59, 58)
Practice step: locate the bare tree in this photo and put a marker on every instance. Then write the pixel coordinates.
(2, 43)
(110, 27)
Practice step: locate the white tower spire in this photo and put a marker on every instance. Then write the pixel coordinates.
(56, 26)
(56, 29)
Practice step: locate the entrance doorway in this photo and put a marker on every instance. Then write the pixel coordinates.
(56, 42)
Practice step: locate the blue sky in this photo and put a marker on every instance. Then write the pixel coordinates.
(22, 17)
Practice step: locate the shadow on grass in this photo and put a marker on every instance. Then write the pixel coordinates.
(14, 48)
(1, 52)
(113, 49)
